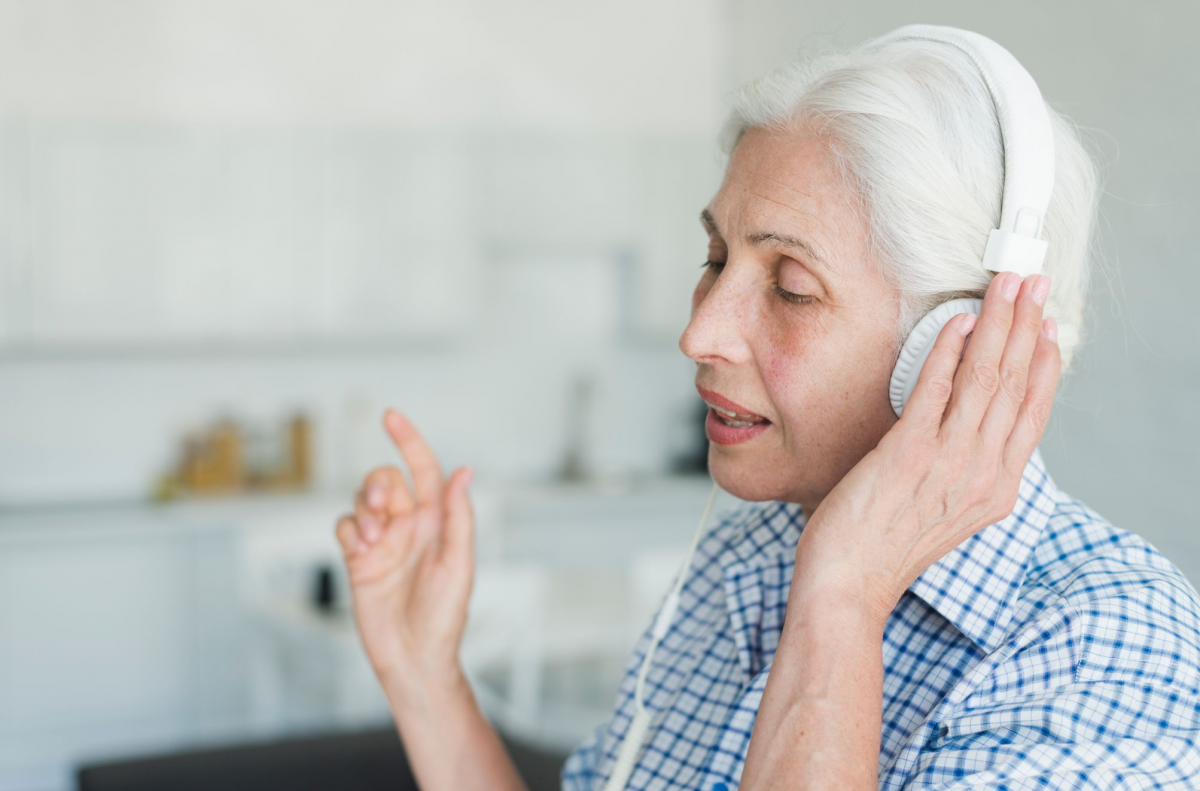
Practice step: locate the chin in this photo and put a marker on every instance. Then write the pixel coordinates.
(747, 479)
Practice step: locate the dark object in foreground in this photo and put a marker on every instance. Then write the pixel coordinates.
(356, 761)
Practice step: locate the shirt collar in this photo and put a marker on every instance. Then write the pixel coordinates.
(974, 586)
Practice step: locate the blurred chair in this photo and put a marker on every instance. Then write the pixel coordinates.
(367, 760)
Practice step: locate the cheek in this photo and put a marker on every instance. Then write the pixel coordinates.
(808, 369)
(794, 358)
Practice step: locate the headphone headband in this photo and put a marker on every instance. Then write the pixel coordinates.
(1016, 246)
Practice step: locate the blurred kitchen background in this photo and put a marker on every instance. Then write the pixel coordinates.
(233, 232)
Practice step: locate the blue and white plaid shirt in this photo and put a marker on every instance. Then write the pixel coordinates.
(1049, 650)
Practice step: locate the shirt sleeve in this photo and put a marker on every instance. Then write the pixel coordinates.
(1129, 718)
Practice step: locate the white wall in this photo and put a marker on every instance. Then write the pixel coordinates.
(1125, 435)
(617, 65)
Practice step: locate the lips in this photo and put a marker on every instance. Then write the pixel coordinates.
(722, 403)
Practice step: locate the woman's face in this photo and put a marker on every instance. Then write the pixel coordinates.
(818, 369)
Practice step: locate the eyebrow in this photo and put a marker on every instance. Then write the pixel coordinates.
(781, 240)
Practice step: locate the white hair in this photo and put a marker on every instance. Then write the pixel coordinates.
(914, 135)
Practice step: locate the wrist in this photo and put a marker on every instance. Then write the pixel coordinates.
(842, 583)
(838, 602)
(418, 692)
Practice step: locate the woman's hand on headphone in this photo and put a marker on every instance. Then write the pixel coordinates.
(409, 553)
(951, 465)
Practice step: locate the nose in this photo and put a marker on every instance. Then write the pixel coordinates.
(717, 328)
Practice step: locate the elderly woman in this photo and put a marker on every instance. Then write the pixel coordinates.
(953, 617)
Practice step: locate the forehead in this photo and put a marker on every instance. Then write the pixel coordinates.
(787, 183)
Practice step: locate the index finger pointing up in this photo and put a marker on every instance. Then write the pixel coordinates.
(426, 472)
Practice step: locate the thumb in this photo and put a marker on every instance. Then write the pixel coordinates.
(458, 538)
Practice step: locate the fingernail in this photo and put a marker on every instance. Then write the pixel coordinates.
(1008, 289)
(1051, 329)
(375, 497)
(370, 528)
(1041, 289)
(967, 324)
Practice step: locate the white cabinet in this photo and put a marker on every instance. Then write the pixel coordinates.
(676, 178)
(128, 243)
(125, 235)
(121, 633)
(14, 231)
(399, 234)
(632, 199)
(560, 191)
(271, 224)
(129, 631)
(136, 235)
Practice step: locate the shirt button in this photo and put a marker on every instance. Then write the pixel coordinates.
(720, 787)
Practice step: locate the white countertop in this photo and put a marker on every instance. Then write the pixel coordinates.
(536, 499)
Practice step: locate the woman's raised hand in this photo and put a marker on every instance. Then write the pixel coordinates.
(410, 558)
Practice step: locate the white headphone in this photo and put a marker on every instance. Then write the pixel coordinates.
(1015, 246)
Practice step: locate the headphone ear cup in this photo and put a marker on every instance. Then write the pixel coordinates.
(919, 343)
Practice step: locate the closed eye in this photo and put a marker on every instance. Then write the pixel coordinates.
(795, 299)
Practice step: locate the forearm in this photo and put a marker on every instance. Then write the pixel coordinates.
(818, 725)
(449, 743)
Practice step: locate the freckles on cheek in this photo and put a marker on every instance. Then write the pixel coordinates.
(782, 369)
(778, 372)
(797, 367)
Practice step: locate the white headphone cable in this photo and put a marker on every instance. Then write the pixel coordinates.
(641, 718)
